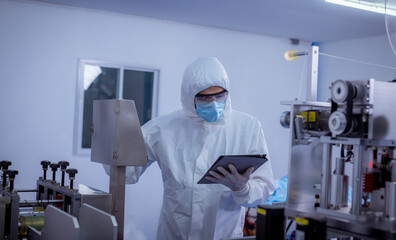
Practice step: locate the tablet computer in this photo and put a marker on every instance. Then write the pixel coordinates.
(241, 163)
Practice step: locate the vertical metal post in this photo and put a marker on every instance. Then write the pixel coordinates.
(117, 191)
(312, 81)
(3, 202)
(14, 216)
(357, 180)
(290, 196)
(326, 176)
(120, 83)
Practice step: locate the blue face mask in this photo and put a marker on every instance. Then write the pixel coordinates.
(210, 112)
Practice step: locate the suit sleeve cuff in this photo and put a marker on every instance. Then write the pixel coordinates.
(242, 196)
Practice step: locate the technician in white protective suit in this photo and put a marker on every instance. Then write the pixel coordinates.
(186, 143)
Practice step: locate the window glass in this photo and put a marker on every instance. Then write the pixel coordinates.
(99, 83)
(138, 86)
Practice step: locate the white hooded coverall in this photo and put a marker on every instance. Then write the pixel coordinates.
(185, 146)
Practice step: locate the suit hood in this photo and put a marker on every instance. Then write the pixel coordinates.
(199, 75)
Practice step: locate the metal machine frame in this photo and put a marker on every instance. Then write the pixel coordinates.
(360, 121)
(310, 171)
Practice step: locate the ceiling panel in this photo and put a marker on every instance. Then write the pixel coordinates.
(308, 20)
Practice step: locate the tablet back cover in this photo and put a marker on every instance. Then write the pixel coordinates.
(241, 163)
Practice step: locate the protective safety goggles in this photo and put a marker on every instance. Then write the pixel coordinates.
(211, 97)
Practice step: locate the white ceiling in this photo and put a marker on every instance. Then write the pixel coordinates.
(308, 20)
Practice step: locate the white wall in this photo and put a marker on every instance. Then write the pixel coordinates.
(40, 47)
(376, 50)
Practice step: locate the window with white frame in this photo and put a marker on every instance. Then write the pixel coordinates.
(99, 80)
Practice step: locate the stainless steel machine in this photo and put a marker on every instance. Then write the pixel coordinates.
(66, 212)
(343, 148)
(56, 204)
(117, 141)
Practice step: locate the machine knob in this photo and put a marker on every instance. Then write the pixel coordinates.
(54, 166)
(11, 174)
(72, 172)
(63, 165)
(4, 164)
(45, 164)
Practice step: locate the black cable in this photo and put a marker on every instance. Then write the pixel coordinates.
(349, 156)
(342, 151)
